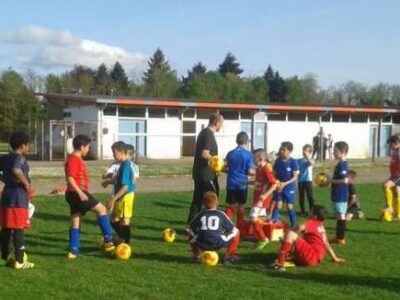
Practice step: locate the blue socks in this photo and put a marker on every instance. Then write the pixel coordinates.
(292, 217)
(105, 226)
(74, 239)
(275, 215)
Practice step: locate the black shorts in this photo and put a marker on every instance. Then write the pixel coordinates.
(236, 196)
(76, 205)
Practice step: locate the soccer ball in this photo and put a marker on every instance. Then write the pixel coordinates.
(11, 259)
(168, 235)
(122, 251)
(322, 179)
(387, 215)
(216, 163)
(210, 258)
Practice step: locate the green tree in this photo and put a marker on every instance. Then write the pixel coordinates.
(119, 80)
(257, 90)
(102, 80)
(229, 65)
(53, 84)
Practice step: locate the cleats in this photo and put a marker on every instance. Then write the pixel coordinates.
(341, 242)
(277, 267)
(262, 244)
(24, 265)
(232, 259)
(71, 256)
(108, 247)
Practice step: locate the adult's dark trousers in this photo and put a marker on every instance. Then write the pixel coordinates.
(200, 187)
(306, 188)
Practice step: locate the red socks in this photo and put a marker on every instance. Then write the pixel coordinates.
(285, 249)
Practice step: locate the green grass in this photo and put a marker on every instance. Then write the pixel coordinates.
(162, 271)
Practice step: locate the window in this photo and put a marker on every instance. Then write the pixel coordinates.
(189, 113)
(396, 119)
(132, 112)
(297, 116)
(359, 118)
(326, 117)
(373, 118)
(156, 113)
(173, 113)
(340, 118)
(110, 110)
(276, 116)
(205, 113)
(245, 115)
(132, 126)
(313, 117)
(230, 114)
(133, 132)
(387, 119)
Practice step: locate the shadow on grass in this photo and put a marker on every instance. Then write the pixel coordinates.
(170, 204)
(61, 218)
(166, 221)
(390, 284)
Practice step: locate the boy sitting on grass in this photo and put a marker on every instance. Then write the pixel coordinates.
(211, 230)
(309, 249)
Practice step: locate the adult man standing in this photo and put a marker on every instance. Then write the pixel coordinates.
(204, 178)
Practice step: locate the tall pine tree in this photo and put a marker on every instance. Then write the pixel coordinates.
(229, 65)
(102, 80)
(119, 80)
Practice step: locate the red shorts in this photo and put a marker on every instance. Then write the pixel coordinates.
(14, 217)
(305, 253)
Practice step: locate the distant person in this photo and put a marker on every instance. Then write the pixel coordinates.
(204, 178)
(353, 205)
(315, 145)
(324, 146)
(305, 178)
(239, 165)
(330, 146)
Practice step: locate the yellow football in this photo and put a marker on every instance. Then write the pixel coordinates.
(209, 258)
(216, 163)
(168, 235)
(123, 251)
(322, 179)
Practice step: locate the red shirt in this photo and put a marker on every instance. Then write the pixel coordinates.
(314, 234)
(264, 179)
(75, 167)
(395, 163)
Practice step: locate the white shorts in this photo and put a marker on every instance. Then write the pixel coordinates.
(257, 212)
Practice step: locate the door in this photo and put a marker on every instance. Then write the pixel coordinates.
(188, 138)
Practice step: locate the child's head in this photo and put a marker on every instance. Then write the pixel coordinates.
(340, 150)
(285, 150)
(394, 142)
(352, 175)
(131, 151)
(19, 141)
(242, 139)
(82, 143)
(260, 157)
(318, 212)
(119, 150)
(307, 150)
(210, 200)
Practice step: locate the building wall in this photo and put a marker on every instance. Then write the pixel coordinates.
(164, 138)
(109, 135)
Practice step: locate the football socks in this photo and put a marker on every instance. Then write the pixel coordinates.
(292, 217)
(105, 226)
(74, 237)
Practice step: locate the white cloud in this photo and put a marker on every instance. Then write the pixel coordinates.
(49, 49)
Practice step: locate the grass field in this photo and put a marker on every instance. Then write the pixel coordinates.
(163, 271)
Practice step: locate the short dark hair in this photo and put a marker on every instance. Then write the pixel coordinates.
(319, 212)
(307, 146)
(352, 173)
(394, 139)
(120, 147)
(81, 140)
(214, 118)
(242, 138)
(130, 148)
(287, 145)
(17, 139)
(342, 146)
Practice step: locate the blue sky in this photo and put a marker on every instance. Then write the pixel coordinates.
(335, 40)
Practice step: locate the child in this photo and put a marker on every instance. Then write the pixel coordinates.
(353, 205)
(391, 185)
(265, 184)
(340, 190)
(122, 201)
(239, 166)
(309, 249)
(14, 210)
(131, 156)
(211, 229)
(305, 178)
(287, 172)
(79, 199)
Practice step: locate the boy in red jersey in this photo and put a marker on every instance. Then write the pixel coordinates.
(14, 211)
(309, 249)
(265, 184)
(79, 199)
(391, 187)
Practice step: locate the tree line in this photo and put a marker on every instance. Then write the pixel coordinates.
(19, 107)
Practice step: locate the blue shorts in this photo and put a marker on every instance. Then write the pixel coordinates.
(288, 196)
(395, 179)
(339, 208)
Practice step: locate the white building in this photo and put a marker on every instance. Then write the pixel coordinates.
(168, 128)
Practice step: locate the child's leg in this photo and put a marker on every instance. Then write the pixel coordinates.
(388, 192)
(256, 225)
(287, 244)
(19, 244)
(74, 233)
(230, 210)
(301, 196)
(126, 229)
(292, 215)
(396, 205)
(310, 195)
(349, 217)
(5, 235)
(276, 210)
(233, 245)
(241, 211)
(104, 221)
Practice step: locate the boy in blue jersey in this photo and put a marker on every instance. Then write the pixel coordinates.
(305, 178)
(340, 190)
(122, 201)
(287, 172)
(211, 230)
(239, 165)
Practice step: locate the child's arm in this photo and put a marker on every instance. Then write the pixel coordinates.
(340, 181)
(77, 189)
(291, 180)
(353, 200)
(106, 175)
(122, 191)
(331, 252)
(271, 189)
(21, 177)
(107, 182)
